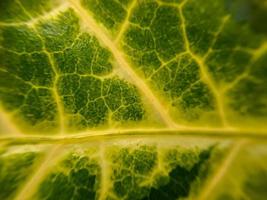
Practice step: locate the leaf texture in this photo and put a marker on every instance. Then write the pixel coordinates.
(133, 99)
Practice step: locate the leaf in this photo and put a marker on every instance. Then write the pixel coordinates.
(133, 99)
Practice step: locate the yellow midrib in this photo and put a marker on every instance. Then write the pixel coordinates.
(197, 132)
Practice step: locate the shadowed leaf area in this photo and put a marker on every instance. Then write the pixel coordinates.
(180, 181)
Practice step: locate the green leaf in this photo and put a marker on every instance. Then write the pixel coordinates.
(133, 99)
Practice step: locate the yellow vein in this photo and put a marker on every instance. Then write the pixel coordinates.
(225, 19)
(124, 65)
(60, 107)
(256, 54)
(125, 23)
(231, 85)
(259, 134)
(218, 96)
(221, 171)
(203, 69)
(34, 182)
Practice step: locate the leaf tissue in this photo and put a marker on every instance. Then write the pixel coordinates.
(133, 99)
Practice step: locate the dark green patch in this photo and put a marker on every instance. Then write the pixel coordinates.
(82, 96)
(166, 30)
(77, 178)
(139, 39)
(149, 62)
(92, 86)
(56, 186)
(230, 36)
(184, 73)
(227, 65)
(85, 56)
(131, 168)
(21, 79)
(110, 13)
(95, 113)
(144, 160)
(202, 20)
(112, 92)
(11, 11)
(12, 91)
(195, 100)
(133, 112)
(249, 95)
(82, 178)
(39, 107)
(20, 39)
(68, 84)
(32, 68)
(59, 33)
(122, 99)
(180, 180)
(39, 66)
(144, 13)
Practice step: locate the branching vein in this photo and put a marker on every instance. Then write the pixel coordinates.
(126, 20)
(54, 89)
(124, 65)
(203, 69)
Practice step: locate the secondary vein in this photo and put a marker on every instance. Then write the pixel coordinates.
(89, 136)
(126, 21)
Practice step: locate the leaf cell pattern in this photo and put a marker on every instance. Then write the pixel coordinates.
(133, 99)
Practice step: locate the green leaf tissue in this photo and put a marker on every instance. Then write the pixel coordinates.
(133, 100)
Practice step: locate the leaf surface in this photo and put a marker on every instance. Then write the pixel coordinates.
(133, 99)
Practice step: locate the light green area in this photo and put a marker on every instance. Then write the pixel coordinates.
(15, 169)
